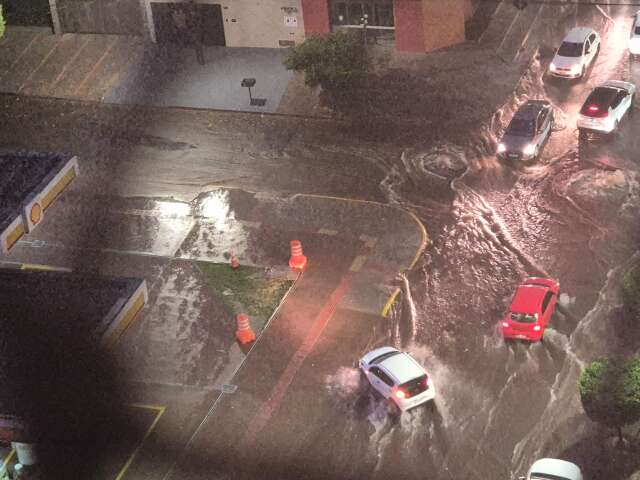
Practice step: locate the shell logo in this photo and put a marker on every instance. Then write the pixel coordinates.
(36, 213)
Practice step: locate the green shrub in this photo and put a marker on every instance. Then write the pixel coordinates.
(337, 62)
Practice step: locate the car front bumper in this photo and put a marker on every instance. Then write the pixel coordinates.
(565, 74)
(514, 156)
(594, 126)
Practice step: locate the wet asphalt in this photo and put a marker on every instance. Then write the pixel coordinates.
(499, 407)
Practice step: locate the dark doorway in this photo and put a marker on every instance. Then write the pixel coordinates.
(185, 24)
(33, 13)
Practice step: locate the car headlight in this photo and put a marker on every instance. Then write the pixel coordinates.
(502, 148)
(529, 149)
(576, 69)
(553, 67)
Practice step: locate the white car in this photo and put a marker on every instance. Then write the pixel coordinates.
(397, 377)
(577, 51)
(605, 107)
(634, 37)
(547, 468)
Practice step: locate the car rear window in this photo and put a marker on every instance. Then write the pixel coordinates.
(601, 97)
(636, 30)
(384, 356)
(570, 49)
(521, 127)
(415, 386)
(522, 317)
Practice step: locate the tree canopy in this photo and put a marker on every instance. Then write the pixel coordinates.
(610, 392)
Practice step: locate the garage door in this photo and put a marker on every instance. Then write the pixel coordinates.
(182, 24)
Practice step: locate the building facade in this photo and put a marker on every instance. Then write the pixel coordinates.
(411, 25)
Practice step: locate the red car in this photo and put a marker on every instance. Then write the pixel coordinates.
(531, 309)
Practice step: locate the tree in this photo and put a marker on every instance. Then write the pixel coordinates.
(1, 22)
(610, 392)
(337, 62)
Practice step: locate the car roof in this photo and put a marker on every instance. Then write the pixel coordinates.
(528, 298)
(378, 352)
(557, 468)
(530, 109)
(402, 367)
(578, 34)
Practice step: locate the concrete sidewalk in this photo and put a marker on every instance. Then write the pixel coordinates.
(131, 70)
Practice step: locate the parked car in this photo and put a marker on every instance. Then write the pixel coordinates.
(605, 107)
(576, 53)
(552, 468)
(397, 377)
(527, 132)
(634, 37)
(531, 309)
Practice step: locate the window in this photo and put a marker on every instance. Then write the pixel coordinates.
(351, 12)
(521, 127)
(381, 375)
(523, 317)
(592, 38)
(384, 356)
(547, 299)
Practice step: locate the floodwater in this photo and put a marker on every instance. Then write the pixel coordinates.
(571, 216)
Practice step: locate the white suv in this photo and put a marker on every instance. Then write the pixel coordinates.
(577, 51)
(546, 468)
(397, 377)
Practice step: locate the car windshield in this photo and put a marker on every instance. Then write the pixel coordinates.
(522, 317)
(521, 127)
(570, 49)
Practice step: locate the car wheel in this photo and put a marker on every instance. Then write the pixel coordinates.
(582, 135)
(536, 154)
(394, 409)
(584, 70)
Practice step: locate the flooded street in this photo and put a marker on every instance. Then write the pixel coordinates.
(571, 216)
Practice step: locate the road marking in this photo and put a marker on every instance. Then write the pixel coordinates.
(357, 263)
(7, 460)
(21, 54)
(391, 301)
(278, 392)
(46, 57)
(53, 86)
(326, 231)
(94, 69)
(160, 411)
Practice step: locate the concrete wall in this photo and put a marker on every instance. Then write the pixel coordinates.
(256, 23)
(409, 21)
(100, 16)
(443, 23)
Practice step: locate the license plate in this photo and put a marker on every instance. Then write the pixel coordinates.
(521, 337)
(514, 155)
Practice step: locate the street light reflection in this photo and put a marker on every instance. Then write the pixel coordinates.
(174, 209)
(216, 207)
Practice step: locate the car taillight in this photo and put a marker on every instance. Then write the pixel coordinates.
(593, 108)
(400, 393)
(537, 328)
(505, 324)
(426, 382)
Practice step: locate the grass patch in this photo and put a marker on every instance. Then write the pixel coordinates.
(246, 286)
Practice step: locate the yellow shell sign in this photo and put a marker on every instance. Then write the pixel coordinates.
(36, 213)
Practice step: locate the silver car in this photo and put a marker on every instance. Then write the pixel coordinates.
(527, 132)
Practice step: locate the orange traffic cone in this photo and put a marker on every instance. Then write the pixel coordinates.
(297, 261)
(244, 333)
(234, 261)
